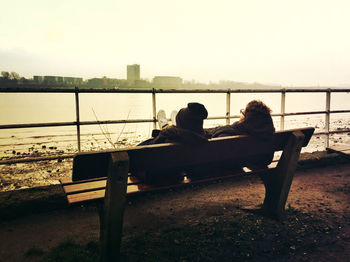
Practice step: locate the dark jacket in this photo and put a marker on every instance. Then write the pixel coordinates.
(176, 134)
(168, 135)
(260, 126)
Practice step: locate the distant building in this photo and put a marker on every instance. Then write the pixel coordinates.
(51, 79)
(54, 80)
(38, 79)
(95, 82)
(167, 81)
(73, 80)
(133, 72)
(103, 82)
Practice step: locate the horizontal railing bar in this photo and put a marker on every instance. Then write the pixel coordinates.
(312, 113)
(123, 121)
(71, 90)
(130, 121)
(339, 111)
(339, 131)
(37, 125)
(272, 90)
(53, 89)
(305, 113)
(317, 112)
(74, 123)
(332, 132)
(221, 117)
(34, 159)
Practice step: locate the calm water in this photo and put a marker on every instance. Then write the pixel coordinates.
(39, 108)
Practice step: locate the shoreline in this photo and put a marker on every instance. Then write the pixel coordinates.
(41, 141)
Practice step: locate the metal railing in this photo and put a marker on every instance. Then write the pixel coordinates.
(327, 112)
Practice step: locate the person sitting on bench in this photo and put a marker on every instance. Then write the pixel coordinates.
(188, 130)
(255, 121)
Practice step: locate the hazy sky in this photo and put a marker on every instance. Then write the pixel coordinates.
(288, 42)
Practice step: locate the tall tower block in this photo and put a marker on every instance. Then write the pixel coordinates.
(133, 72)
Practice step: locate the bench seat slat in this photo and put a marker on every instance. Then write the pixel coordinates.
(87, 186)
(95, 190)
(96, 195)
(86, 196)
(65, 181)
(93, 185)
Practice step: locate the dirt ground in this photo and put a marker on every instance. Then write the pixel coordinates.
(323, 191)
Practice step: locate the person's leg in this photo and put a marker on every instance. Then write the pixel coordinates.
(162, 121)
(173, 117)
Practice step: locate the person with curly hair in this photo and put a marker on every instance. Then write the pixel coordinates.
(255, 121)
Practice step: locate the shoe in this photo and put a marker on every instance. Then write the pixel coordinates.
(162, 121)
(173, 117)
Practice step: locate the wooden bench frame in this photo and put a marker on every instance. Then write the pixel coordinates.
(104, 175)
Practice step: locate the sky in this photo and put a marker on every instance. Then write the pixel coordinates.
(284, 42)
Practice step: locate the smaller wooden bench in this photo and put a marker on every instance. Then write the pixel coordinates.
(105, 177)
(341, 149)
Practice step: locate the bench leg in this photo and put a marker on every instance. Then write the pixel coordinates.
(269, 180)
(100, 207)
(112, 223)
(279, 182)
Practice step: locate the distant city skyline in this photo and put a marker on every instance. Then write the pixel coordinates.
(289, 43)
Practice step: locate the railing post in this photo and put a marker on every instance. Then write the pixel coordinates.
(77, 116)
(154, 108)
(328, 109)
(228, 107)
(283, 108)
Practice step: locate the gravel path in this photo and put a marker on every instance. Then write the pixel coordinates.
(321, 191)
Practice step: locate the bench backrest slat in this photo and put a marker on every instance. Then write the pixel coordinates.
(240, 148)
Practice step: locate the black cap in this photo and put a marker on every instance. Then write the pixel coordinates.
(191, 117)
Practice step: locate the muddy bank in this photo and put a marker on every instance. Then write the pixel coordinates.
(47, 172)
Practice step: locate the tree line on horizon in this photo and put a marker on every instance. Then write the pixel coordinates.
(13, 79)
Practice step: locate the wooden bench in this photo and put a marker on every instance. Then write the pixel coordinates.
(341, 149)
(106, 175)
